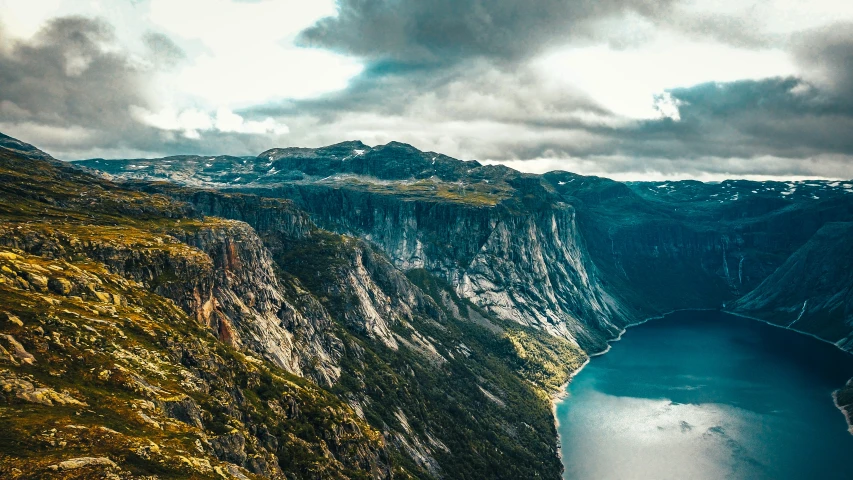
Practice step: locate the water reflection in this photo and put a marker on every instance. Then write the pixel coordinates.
(705, 395)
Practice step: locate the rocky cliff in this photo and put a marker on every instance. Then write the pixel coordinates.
(812, 291)
(253, 346)
(523, 266)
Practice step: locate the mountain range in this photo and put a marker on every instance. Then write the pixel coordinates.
(362, 312)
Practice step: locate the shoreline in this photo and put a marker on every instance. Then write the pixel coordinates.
(562, 394)
(847, 419)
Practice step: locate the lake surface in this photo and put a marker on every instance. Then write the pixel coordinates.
(705, 395)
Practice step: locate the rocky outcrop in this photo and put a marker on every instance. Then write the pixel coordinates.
(219, 272)
(139, 374)
(249, 307)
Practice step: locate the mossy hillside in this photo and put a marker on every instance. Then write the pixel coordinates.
(125, 358)
(100, 335)
(328, 250)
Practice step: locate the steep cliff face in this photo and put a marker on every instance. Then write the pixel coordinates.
(619, 252)
(125, 383)
(217, 271)
(520, 265)
(502, 239)
(813, 290)
(648, 239)
(248, 305)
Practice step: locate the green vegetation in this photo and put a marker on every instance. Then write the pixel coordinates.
(481, 194)
(95, 365)
(477, 396)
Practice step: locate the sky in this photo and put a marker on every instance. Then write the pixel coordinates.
(628, 89)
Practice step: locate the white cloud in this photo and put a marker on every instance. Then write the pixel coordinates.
(778, 16)
(628, 81)
(228, 121)
(192, 122)
(239, 53)
(247, 54)
(667, 106)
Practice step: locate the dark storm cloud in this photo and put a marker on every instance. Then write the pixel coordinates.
(789, 117)
(783, 117)
(475, 90)
(826, 54)
(445, 31)
(66, 76)
(747, 32)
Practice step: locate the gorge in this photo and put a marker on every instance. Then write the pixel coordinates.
(366, 312)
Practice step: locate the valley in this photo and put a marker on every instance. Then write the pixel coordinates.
(362, 312)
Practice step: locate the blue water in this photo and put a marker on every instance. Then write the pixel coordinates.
(705, 395)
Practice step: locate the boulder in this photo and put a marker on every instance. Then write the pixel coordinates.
(185, 410)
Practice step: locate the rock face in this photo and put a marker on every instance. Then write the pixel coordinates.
(247, 305)
(647, 239)
(575, 256)
(525, 267)
(813, 290)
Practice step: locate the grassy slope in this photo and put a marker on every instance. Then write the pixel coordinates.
(108, 356)
(485, 412)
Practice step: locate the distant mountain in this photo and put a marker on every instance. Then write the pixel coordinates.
(21, 148)
(632, 245)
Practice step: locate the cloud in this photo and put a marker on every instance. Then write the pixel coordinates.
(162, 50)
(242, 52)
(191, 122)
(75, 90)
(440, 32)
(826, 57)
(445, 31)
(71, 73)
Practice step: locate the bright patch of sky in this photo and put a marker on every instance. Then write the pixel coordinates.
(632, 81)
(239, 54)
